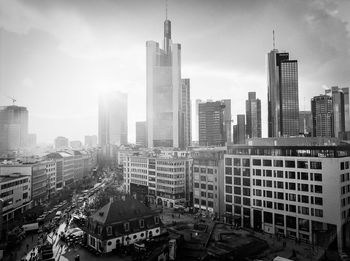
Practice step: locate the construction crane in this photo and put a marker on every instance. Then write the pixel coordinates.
(13, 100)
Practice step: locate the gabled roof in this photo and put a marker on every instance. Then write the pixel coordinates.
(121, 210)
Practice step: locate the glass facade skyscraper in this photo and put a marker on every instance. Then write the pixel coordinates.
(165, 115)
(322, 116)
(253, 114)
(283, 97)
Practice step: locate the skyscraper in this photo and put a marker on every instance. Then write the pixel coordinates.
(239, 130)
(113, 119)
(305, 122)
(322, 116)
(346, 108)
(90, 141)
(141, 133)
(212, 129)
(283, 100)
(61, 143)
(13, 128)
(338, 110)
(253, 114)
(186, 113)
(165, 128)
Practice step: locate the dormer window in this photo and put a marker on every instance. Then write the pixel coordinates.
(109, 231)
(142, 223)
(156, 220)
(126, 227)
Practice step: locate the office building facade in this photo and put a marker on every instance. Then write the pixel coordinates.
(338, 110)
(213, 122)
(113, 119)
(253, 116)
(13, 128)
(165, 113)
(282, 186)
(141, 133)
(305, 123)
(239, 135)
(186, 113)
(322, 116)
(283, 97)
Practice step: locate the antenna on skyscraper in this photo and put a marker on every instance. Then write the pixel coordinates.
(166, 9)
(13, 100)
(273, 38)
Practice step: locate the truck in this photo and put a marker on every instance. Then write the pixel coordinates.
(30, 227)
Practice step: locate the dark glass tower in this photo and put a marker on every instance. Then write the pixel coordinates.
(283, 98)
(322, 116)
(253, 114)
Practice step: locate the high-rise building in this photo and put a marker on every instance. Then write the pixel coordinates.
(338, 110)
(76, 144)
(13, 128)
(253, 114)
(212, 128)
(61, 143)
(346, 108)
(239, 130)
(113, 119)
(322, 116)
(305, 122)
(186, 113)
(164, 91)
(90, 141)
(141, 133)
(283, 99)
(227, 120)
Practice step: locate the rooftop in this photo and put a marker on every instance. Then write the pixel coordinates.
(121, 210)
(11, 177)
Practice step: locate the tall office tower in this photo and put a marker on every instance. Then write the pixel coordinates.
(113, 119)
(164, 92)
(305, 122)
(186, 113)
(253, 113)
(239, 130)
(196, 121)
(212, 130)
(13, 128)
(141, 133)
(227, 120)
(346, 108)
(61, 143)
(338, 110)
(283, 101)
(90, 141)
(322, 116)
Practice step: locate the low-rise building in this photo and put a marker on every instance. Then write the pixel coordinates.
(297, 187)
(121, 223)
(15, 192)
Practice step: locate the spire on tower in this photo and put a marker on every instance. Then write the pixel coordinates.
(166, 9)
(273, 39)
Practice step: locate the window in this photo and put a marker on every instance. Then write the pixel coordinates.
(304, 176)
(156, 220)
(203, 202)
(126, 227)
(237, 200)
(256, 162)
(267, 163)
(246, 162)
(315, 165)
(92, 242)
(228, 162)
(292, 197)
(268, 173)
(210, 204)
(109, 231)
(228, 171)
(258, 192)
(203, 178)
(228, 208)
(237, 171)
(280, 184)
(269, 183)
(279, 219)
(280, 195)
(278, 163)
(210, 187)
(318, 189)
(196, 185)
(258, 182)
(318, 201)
(268, 194)
(268, 217)
(228, 189)
(290, 164)
(237, 162)
(237, 190)
(25, 195)
(304, 187)
(246, 172)
(292, 208)
(318, 212)
(237, 181)
(246, 201)
(291, 186)
(257, 172)
(291, 174)
(228, 199)
(246, 192)
(203, 186)
(291, 222)
(203, 194)
(304, 199)
(318, 177)
(302, 164)
(210, 195)
(280, 206)
(135, 236)
(246, 182)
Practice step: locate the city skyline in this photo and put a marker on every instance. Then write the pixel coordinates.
(81, 64)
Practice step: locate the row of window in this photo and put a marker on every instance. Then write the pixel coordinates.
(14, 183)
(203, 202)
(345, 189)
(204, 186)
(344, 177)
(288, 185)
(304, 164)
(204, 170)
(344, 165)
(345, 201)
(289, 174)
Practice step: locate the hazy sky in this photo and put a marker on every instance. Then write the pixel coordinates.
(56, 56)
